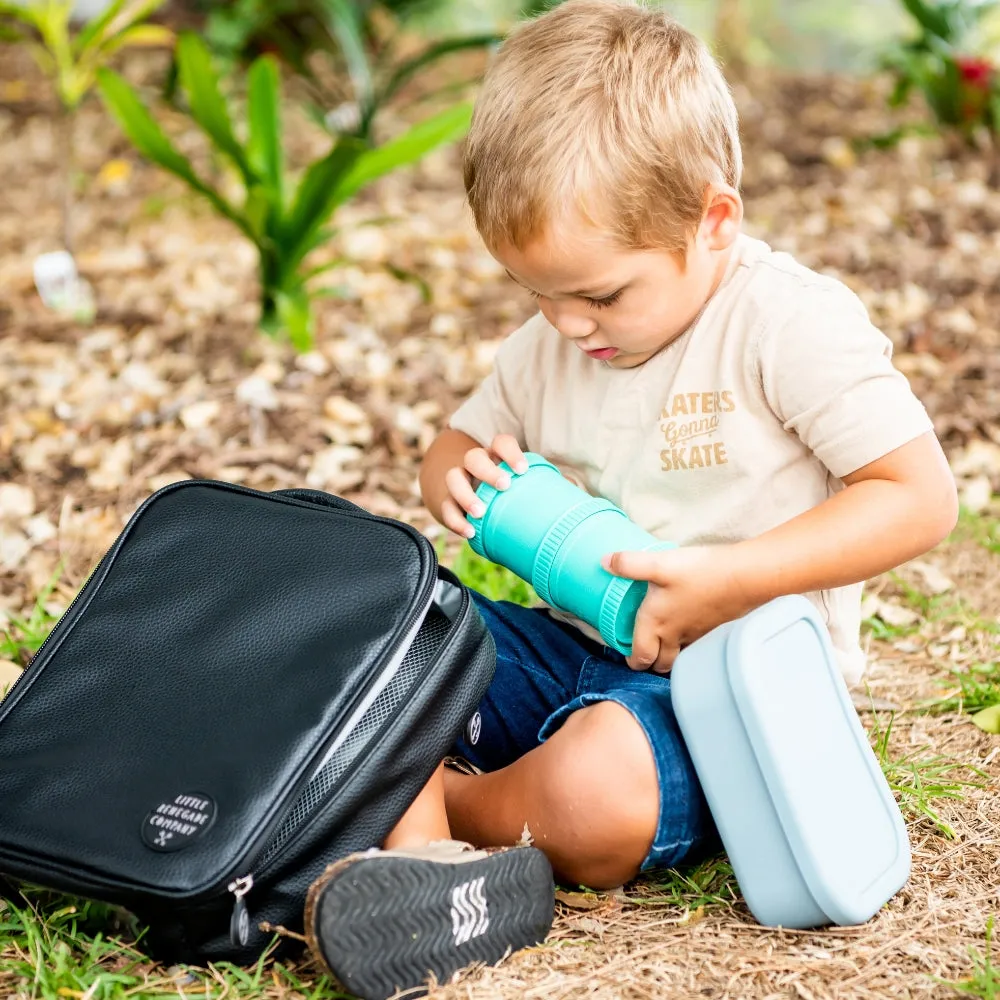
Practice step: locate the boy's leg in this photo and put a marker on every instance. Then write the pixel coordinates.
(384, 920)
(589, 797)
(425, 821)
(580, 749)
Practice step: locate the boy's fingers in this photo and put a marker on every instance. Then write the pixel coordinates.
(645, 641)
(480, 465)
(636, 565)
(461, 490)
(455, 521)
(506, 447)
(665, 659)
(645, 649)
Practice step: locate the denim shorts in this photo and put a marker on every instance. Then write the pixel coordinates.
(546, 670)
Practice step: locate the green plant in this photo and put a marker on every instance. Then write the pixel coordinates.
(25, 635)
(985, 979)
(73, 59)
(945, 63)
(491, 580)
(55, 946)
(917, 781)
(978, 688)
(285, 226)
(711, 883)
(365, 42)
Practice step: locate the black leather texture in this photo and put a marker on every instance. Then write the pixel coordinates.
(255, 651)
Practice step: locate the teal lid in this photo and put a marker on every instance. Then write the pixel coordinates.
(486, 492)
(620, 605)
(556, 535)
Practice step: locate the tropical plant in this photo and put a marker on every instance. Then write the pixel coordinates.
(947, 62)
(284, 225)
(365, 42)
(72, 58)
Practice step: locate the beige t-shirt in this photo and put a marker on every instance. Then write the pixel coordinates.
(780, 386)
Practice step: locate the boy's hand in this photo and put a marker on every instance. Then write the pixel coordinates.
(691, 591)
(480, 465)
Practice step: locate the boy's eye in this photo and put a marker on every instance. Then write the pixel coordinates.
(608, 300)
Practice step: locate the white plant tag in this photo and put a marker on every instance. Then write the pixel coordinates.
(61, 287)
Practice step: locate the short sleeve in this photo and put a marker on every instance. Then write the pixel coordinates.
(827, 373)
(498, 405)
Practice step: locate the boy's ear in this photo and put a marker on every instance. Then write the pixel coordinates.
(723, 216)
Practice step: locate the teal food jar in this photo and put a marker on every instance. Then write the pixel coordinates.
(553, 534)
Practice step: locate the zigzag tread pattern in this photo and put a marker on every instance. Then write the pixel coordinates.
(388, 924)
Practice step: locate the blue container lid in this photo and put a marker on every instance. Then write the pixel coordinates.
(843, 826)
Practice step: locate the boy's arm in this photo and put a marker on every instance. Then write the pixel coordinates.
(891, 510)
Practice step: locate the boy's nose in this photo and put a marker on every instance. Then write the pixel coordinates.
(569, 321)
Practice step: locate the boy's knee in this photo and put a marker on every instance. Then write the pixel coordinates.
(604, 793)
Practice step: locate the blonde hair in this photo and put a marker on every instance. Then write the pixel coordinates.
(607, 107)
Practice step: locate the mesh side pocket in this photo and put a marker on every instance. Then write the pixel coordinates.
(422, 651)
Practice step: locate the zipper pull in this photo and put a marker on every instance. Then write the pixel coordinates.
(239, 922)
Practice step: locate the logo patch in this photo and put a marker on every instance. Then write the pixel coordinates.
(474, 729)
(470, 915)
(175, 823)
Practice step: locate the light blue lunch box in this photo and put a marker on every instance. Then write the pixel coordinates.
(806, 816)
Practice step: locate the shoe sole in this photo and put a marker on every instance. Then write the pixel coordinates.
(384, 923)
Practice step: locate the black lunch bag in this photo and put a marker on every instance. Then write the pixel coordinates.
(249, 686)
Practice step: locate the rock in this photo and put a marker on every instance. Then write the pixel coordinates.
(343, 411)
(16, 502)
(256, 391)
(40, 529)
(976, 494)
(329, 467)
(934, 580)
(14, 546)
(313, 362)
(197, 416)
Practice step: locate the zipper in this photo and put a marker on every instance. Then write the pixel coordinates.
(239, 922)
(270, 857)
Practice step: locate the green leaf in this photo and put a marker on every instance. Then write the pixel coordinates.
(26, 15)
(148, 138)
(430, 55)
(412, 278)
(988, 719)
(207, 106)
(346, 23)
(138, 34)
(316, 199)
(930, 18)
(406, 149)
(95, 27)
(264, 120)
(295, 316)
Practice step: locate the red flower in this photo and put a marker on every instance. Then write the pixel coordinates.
(975, 71)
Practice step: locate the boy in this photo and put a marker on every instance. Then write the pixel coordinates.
(726, 397)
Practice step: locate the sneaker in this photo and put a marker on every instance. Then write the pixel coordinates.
(383, 921)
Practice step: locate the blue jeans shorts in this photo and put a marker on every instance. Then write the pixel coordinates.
(545, 671)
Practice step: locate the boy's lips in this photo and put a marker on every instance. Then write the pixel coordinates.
(603, 353)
